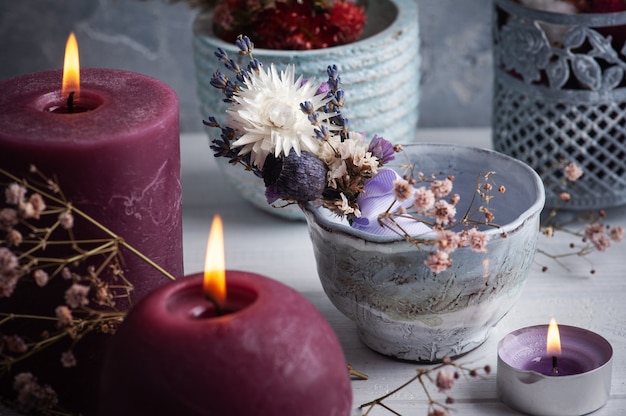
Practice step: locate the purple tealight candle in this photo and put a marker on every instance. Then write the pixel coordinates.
(554, 370)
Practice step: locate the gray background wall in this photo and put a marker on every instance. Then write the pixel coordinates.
(154, 38)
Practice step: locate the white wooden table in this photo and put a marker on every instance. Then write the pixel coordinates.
(259, 242)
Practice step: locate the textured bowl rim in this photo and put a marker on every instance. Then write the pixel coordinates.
(379, 36)
(325, 222)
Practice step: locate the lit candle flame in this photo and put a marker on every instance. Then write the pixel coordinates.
(71, 69)
(553, 345)
(214, 266)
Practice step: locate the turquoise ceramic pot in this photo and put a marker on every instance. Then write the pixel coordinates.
(380, 75)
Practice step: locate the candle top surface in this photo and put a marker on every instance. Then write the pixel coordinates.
(125, 104)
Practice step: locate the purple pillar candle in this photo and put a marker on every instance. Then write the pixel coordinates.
(526, 380)
(117, 158)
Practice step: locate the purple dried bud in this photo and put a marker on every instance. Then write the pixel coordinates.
(221, 54)
(245, 45)
(299, 178)
(323, 88)
(332, 71)
(382, 149)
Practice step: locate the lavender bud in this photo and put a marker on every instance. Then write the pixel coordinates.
(332, 71)
(255, 65)
(307, 108)
(221, 54)
(245, 45)
(219, 80)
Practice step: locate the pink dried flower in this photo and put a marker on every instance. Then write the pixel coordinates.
(424, 199)
(27, 210)
(15, 194)
(572, 171)
(66, 273)
(9, 267)
(438, 412)
(7, 285)
(15, 343)
(595, 233)
(14, 238)
(68, 359)
(443, 213)
(104, 296)
(64, 316)
(76, 296)
(39, 205)
(8, 219)
(447, 241)
(66, 219)
(33, 207)
(33, 396)
(441, 187)
(438, 261)
(402, 190)
(617, 233)
(445, 380)
(565, 196)
(41, 277)
(474, 239)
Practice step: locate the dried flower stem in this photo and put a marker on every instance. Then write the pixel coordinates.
(119, 240)
(444, 382)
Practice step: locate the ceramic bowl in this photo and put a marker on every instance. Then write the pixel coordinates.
(400, 307)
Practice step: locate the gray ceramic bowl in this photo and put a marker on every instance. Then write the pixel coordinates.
(403, 309)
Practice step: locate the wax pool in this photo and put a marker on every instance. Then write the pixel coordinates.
(272, 354)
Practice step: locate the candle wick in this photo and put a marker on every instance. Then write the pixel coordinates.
(70, 103)
(555, 366)
(216, 305)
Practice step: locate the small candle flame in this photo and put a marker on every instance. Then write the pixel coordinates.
(71, 69)
(214, 266)
(553, 345)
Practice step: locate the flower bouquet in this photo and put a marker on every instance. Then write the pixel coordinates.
(384, 58)
(377, 223)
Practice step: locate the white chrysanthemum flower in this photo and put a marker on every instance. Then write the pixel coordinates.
(267, 112)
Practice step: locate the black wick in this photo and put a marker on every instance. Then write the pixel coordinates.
(555, 367)
(70, 103)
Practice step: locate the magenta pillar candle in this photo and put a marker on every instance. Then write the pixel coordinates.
(118, 162)
(272, 354)
(527, 383)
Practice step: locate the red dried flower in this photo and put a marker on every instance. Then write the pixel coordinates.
(289, 24)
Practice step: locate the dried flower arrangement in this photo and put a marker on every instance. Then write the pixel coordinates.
(300, 25)
(590, 233)
(292, 133)
(59, 288)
